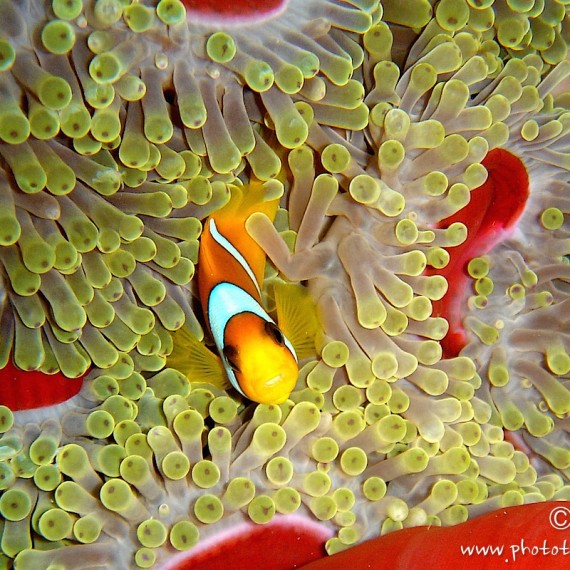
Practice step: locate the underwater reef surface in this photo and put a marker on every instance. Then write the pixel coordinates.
(421, 153)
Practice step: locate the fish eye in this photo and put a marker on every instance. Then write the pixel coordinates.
(230, 354)
(273, 331)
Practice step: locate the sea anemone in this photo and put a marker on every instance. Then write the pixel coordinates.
(124, 142)
(522, 348)
(122, 126)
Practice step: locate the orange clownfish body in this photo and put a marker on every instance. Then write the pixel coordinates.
(259, 360)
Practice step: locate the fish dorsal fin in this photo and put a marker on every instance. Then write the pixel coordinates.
(296, 316)
(191, 357)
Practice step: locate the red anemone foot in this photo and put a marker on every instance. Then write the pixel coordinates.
(240, 11)
(524, 537)
(287, 542)
(28, 390)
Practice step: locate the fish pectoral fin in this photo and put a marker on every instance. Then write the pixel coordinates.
(196, 361)
(297, 316)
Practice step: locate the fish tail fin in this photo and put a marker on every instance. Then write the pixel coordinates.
(297, 316)
(253, 197)
(191, 357)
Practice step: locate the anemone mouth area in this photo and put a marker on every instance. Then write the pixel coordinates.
(235, 12)
(287, 542)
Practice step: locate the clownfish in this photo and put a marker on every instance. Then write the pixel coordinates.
(256, 357)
